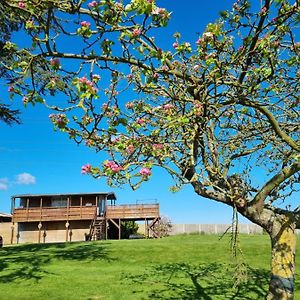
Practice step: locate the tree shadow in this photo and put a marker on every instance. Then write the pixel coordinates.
(29, 261)
(182, 281)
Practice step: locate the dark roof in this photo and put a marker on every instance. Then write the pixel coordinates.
(110, 195)
(4, 215)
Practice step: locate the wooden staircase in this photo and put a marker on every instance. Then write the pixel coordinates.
(97, 229)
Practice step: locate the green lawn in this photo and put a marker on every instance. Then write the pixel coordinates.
(180, 267)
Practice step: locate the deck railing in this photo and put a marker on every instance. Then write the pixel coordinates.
(53, 213)
(129, 211)
(132, 211)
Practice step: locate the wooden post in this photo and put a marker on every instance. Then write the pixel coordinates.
(39, 227)
(12, 233)
(67, 230)
(104, 206)
(68, 208)
(44, 236)
(118, 226)
(80, 207)
(145, 228)
(41, 207)
(67, 223)
(106, 228)
(12, 208)
(27, 208)
(40, 224)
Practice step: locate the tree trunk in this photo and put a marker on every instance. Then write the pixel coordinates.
(283, 261)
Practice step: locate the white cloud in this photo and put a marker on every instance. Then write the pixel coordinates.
(25, 178)
(3, 184)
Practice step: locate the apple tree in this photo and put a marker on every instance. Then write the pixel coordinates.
(220, 113)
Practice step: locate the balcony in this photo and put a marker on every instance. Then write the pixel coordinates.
(125, 212)
(133, 212)
(37, 214)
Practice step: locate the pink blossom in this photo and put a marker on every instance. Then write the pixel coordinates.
(129, 76)
(165, 68)
(10, 89)
(198, 105)
(88, 142)
(145, 172)
(72, 133)
(86, 169)
(21, 5)
(208, 35)
(93, 4)
(136, 32)
(25, 100)
(155, 75)
(210, 55)
(199, 41)
(158, 11)
(82, 79)
(114, 167)
(85, 24)
(130, 149)
(175, 45)
(51, 116)
(263, 10)
(158, 146)
(55, 62)
(130, 105)
(168, 106)
(196, 67)
(140, 121)
(186, 44)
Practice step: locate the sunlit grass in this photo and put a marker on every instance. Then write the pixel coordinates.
(180, 267)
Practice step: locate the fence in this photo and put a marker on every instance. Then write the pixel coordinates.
(213, 228)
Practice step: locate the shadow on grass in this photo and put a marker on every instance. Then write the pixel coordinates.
(29, 261)
(206, 282)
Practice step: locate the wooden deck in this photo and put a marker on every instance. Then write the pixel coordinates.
(133, 212)
(36, 214)
(124, 212)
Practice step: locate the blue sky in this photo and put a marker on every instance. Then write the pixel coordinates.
(36, 159)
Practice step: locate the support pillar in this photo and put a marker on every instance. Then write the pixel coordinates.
(39, 227)
(80, 207)
(106, 228)
(12, 233)
(67, 230)
(27, 208)
(118, 226)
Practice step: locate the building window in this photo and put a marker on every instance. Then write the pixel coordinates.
(59, 202)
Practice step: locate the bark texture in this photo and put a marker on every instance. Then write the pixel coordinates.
(282, 282)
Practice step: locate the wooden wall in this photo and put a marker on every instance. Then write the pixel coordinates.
(5, 232)
(52, 232)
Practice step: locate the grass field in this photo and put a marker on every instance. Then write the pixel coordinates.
(180, 267)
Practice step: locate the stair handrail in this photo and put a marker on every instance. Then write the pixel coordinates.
(92, 226)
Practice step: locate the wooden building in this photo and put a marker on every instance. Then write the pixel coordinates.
(6, 228)
(75, 217)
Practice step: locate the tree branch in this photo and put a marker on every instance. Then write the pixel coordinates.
(274, 182)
